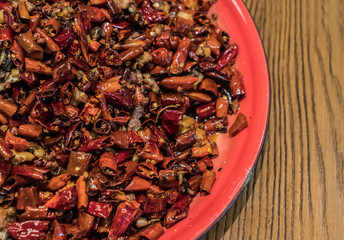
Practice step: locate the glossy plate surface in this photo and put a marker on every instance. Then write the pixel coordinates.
(238, 155)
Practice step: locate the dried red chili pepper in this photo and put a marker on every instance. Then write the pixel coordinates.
(170, 120)
(28, 230)
(27, 197)
(151, 15)
(137, 184)
(63, 200)
(29, 171)
(65, 38)
(227, 56)
(156, 200)
(179, 58)
(6, 38)
(78, 163)
(237, 85)
(63, 72)
(107, 163)
(124, 216)
(29, 78)
(206, 110)
(178, 211)
(17, 55)
(73, 136)
(99, 209)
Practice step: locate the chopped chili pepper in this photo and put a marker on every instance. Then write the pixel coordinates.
(108, 122)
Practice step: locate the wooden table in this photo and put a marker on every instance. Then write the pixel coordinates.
(297, 190)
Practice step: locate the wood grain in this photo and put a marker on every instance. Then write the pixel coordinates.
(297, 190)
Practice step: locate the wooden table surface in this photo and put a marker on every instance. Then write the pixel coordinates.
(297, 190)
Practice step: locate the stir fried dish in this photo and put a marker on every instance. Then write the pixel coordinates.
(109, 112)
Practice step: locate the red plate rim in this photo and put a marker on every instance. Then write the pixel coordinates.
(185, 228)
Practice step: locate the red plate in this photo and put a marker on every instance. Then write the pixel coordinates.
(237, 156)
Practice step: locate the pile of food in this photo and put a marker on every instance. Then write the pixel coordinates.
(109, 112)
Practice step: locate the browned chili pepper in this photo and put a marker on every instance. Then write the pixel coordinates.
(152, 232)
(221, 107)
(162, 57)
(28, 171)
(63, 72)
(85, 224)
(178, 211)
(97, 2)
(154, 102)
(3, 119)
(34, 213)
(199, 97)
(208, 179)
(130, 53)
(138, 184)
(78, 163)
(216, 125)
(107, 163)
(176, 83)
(239, 125)
(52, 27)
(7, 108)
(27, 197)
(179, 58)
(59, 232)
(29, 131)
(151, 151)
(17, 143)
(237, 85)
(81, 192)
(52, 46)
(147, 170)
(28, 44)
(186, 140)
(37, 67)
(58, 182)
(17, 55)
(23, 13)
(35, 21)
(208, 85)
(81, 35)
(129, 44)
(66, 92)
